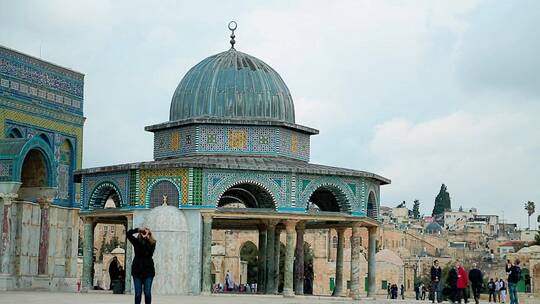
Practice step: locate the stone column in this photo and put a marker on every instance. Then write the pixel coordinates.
(372, 243)
(355, 261)
(6, 249)
(277, 254)
(289, 259)
(88, 254)
(299, 260)
(129, 256)
(207, 254)
(43, 237)
(270, 259)
(261, 268)
(339, 262)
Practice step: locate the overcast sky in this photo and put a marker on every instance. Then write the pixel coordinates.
(421, 92)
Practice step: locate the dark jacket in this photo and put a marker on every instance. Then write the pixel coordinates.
(514, 273)
(452, 278)
(476, 277)
(143, 264)
(435, 274)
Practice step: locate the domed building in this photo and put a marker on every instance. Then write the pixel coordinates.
(232, 156)
(433, 228)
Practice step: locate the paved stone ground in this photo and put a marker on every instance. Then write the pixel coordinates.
(32, 297)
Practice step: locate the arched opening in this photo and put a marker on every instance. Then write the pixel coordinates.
(246, 195)
(15, 133)
(164, 192)
(45, 138)
(308, 269)
(249, 254)
(65, 171)
(327, 199)
(104, 196)
(372, 206)
(34, 172)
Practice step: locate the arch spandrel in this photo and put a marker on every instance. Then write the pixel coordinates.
(346, 204)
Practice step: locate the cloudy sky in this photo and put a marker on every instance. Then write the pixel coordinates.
(422, 92)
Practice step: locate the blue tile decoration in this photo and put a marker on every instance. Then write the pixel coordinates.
(92, 183)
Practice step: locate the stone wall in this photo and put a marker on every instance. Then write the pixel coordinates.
(61, 267)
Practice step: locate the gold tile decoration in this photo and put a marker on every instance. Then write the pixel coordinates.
(179, 175)
(238, 139)
(294, 143)
(175, 141)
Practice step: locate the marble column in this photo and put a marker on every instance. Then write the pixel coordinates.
(299, 260)
(43, 237)
(270, 258)
(6, 249)
(88, 254)
(372, 250)
(289, 259)
(339, 262)
(277, 254)
(207, 255)
(355, 262)
(128, 257)
(261, 268)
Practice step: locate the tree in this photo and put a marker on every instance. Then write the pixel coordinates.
(416, 209)
(537, 238)
(529, 207)
(442, 202)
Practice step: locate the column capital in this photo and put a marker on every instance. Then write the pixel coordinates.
(8, 198)
(290, 225)
(373, 229)
(44, 203)
(88, 220)
(272, 222)
(301, 226)
(207, 217)
(340, 230)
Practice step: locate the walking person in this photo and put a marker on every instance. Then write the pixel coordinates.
(462, 283)
(436, 285)
(514, 274)
(491, 290)
(389, 290)
(452, 283)
(502, 291)
(417, 291)
(402, 292)
(497, 290)
(142, 267)
(424, 291)
(477, 279)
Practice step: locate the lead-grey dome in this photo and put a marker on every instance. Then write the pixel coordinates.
(232, 85)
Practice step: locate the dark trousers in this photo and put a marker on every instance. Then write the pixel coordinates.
(476, 291)
(143, 284)
(492, 294)
(436, 292)
(460, 294)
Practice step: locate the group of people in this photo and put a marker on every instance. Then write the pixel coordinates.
(231, 286)
(393, 291)
(458, 281)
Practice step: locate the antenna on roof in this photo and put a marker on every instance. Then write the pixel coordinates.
(232, 27)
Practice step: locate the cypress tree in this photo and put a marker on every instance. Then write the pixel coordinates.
(442, 202)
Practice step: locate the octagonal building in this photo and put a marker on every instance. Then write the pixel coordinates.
(231, 156)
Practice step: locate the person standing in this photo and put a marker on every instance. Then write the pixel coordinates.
(462, 283)
(497, 290)
(114, 271)
(436, 285)
(452, 283)
(142, 267)
(491, 290)
(477, 279)
(388, 287)
(514, 274)
(502, 296)
(402, 292)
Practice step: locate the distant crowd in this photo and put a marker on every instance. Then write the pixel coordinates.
(459, 282)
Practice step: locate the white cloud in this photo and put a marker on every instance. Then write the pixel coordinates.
(487, 160)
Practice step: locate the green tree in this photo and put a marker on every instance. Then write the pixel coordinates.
(529, 207)
(537, 238)
(416, 209)
(442, 202)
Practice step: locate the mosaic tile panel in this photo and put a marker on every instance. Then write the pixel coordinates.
(311, 183)
(197, 185)
(216, 182)
(6, 170)
(119, 179)
(178, 176)
(134, 190)
(162, 192)
(236, 140)
(40, 73)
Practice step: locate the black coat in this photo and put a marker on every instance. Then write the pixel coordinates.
(435, 274)
(143, 264)
(476, 277)
(452, 278)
